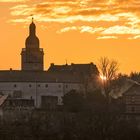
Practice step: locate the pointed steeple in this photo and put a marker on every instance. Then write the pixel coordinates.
(32, 40)
(32, 28)
(32, 55)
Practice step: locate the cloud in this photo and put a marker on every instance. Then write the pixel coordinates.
(107, 37)
(134, 37)
(59, 15)
(21, 10)
(13, 1)
(62, 10)
(104, 12)
(114, 30)
(81, 29)
(84, 10)
(67, 29)
(91, 30)
(86, 7)
(121, 30)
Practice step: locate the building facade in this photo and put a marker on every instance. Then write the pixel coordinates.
(36, 85)
(131, 100)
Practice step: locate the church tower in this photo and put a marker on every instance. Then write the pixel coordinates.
(32, 55)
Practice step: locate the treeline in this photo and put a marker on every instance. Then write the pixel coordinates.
(83, 117)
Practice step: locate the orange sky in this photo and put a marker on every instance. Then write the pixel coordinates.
(80, 31)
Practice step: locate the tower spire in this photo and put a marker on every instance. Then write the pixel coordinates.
(32, 40)
(32, 18)
(32, 55)
(32, 28)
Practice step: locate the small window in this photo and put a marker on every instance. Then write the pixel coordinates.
(38, 85)
(133, 99)
(17, 94)
(133, 109)
(59, 86)
(30, 85)
(46, 85)
(15, 85)
(66, 86)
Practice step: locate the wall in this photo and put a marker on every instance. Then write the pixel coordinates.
(35, 90)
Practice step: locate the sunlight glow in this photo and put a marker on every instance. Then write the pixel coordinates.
(103, 77)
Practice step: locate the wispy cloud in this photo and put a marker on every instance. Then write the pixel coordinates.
(84, 10)
(81, 29)
(125, 12)
(134, 37)
(107, 37)
(67, 29)
(121, 30)
(13, 1)
(21, 10)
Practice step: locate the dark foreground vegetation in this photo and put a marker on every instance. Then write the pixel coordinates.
(83, 117)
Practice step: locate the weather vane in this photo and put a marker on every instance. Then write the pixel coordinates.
(32, 17)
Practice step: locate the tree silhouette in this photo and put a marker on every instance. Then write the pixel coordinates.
(108, 72)
(73, 101)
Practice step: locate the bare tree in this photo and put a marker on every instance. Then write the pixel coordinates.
(108, 72)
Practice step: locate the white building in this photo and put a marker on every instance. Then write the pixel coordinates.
(36, 85)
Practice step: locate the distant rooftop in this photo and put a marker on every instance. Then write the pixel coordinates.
(74, 73)
(37, 76)
(87, 69)
(2, 99)
(134, 89)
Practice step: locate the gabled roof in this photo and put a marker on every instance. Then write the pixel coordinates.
(3, 98)
(38, 76)
(87, 69)
(133, 90)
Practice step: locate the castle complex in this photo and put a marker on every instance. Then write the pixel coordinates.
(43, 87)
